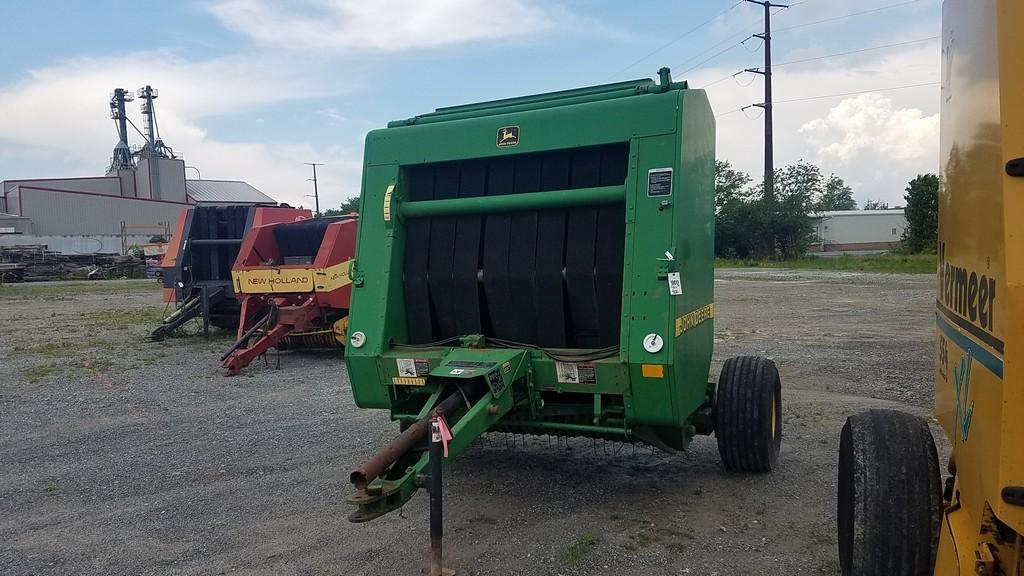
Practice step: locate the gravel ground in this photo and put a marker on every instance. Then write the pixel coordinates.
(120, 456)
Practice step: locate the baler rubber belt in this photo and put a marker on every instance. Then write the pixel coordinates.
(610, 248)
(417, 253)
(442, 253)
(468, 236)
(551, 256)
(497, 237)
(580, 251)
(523, 254)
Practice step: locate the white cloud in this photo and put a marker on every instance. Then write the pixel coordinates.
(867, 128)
(385, 26)
(910, 139)
(333, 116)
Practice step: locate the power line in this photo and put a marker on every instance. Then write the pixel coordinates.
(837, 54)
(680, 37)
(823, 96)
(712, 57)
(720, 43)
(833, 19)
(826, 56)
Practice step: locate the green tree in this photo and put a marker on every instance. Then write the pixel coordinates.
(797, 187)
(730, 184)
(347, 207)
(751, 225)
(835, 195)
(731, 217)
(870, 204)
(922, 213)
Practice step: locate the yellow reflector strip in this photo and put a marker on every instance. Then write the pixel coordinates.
(399, 381)
(653, 370)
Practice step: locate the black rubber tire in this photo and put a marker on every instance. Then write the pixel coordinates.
(890, 495)
(748, 414)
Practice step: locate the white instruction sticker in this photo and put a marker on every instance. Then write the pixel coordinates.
(675, 284)
(406, 367)
(456, 371)
(567, 373)
(575, 373)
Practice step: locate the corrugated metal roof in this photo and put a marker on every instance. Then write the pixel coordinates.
(225, 191)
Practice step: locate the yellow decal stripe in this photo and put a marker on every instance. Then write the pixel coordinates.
(694, 319)
(275, 280)
(333, 277)
(402, 381)
(292, 280)
(387, 202)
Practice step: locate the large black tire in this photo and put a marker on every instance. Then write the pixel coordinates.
(890, 495)
(748, 414)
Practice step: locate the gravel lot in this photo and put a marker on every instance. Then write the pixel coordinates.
(121, 456)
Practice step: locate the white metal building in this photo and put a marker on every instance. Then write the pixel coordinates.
(857, 230)
(141, 195)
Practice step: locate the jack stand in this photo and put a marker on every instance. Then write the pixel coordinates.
(436, 525)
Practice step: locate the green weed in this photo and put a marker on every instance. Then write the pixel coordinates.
(891, 263)
(574, 552)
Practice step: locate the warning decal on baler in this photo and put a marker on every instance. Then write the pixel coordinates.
(659, 182)
(387, 202)
(412, 367)
(574, 373)
(406, 367)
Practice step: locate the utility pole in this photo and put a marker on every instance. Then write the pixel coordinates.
(316, 192)
(769, 147)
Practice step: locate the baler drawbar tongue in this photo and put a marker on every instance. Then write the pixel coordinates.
(473, 393)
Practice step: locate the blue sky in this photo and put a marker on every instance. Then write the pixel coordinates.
(251, 89)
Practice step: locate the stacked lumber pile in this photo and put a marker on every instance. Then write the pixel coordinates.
(35, 263)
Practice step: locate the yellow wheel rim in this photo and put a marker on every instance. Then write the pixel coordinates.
(772, 421)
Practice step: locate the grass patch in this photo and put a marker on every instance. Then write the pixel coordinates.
(892, 263)
(98, 365)
(672, 539)
(574, 552)
(36, 373)
(42, 348)
(124, 318)
(29, 290)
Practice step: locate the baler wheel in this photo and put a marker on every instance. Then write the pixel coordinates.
(748, 414)
(890, 495)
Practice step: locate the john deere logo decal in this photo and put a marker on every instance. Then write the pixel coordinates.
(508, 136)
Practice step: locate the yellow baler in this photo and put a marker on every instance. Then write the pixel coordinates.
(896, 516)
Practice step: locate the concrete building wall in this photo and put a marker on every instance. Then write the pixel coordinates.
(10, 224)
(12, 201)
(859, 230)
(127, 183)
(77, 213)
(100, 244)
(161, 179)
(97, 185)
